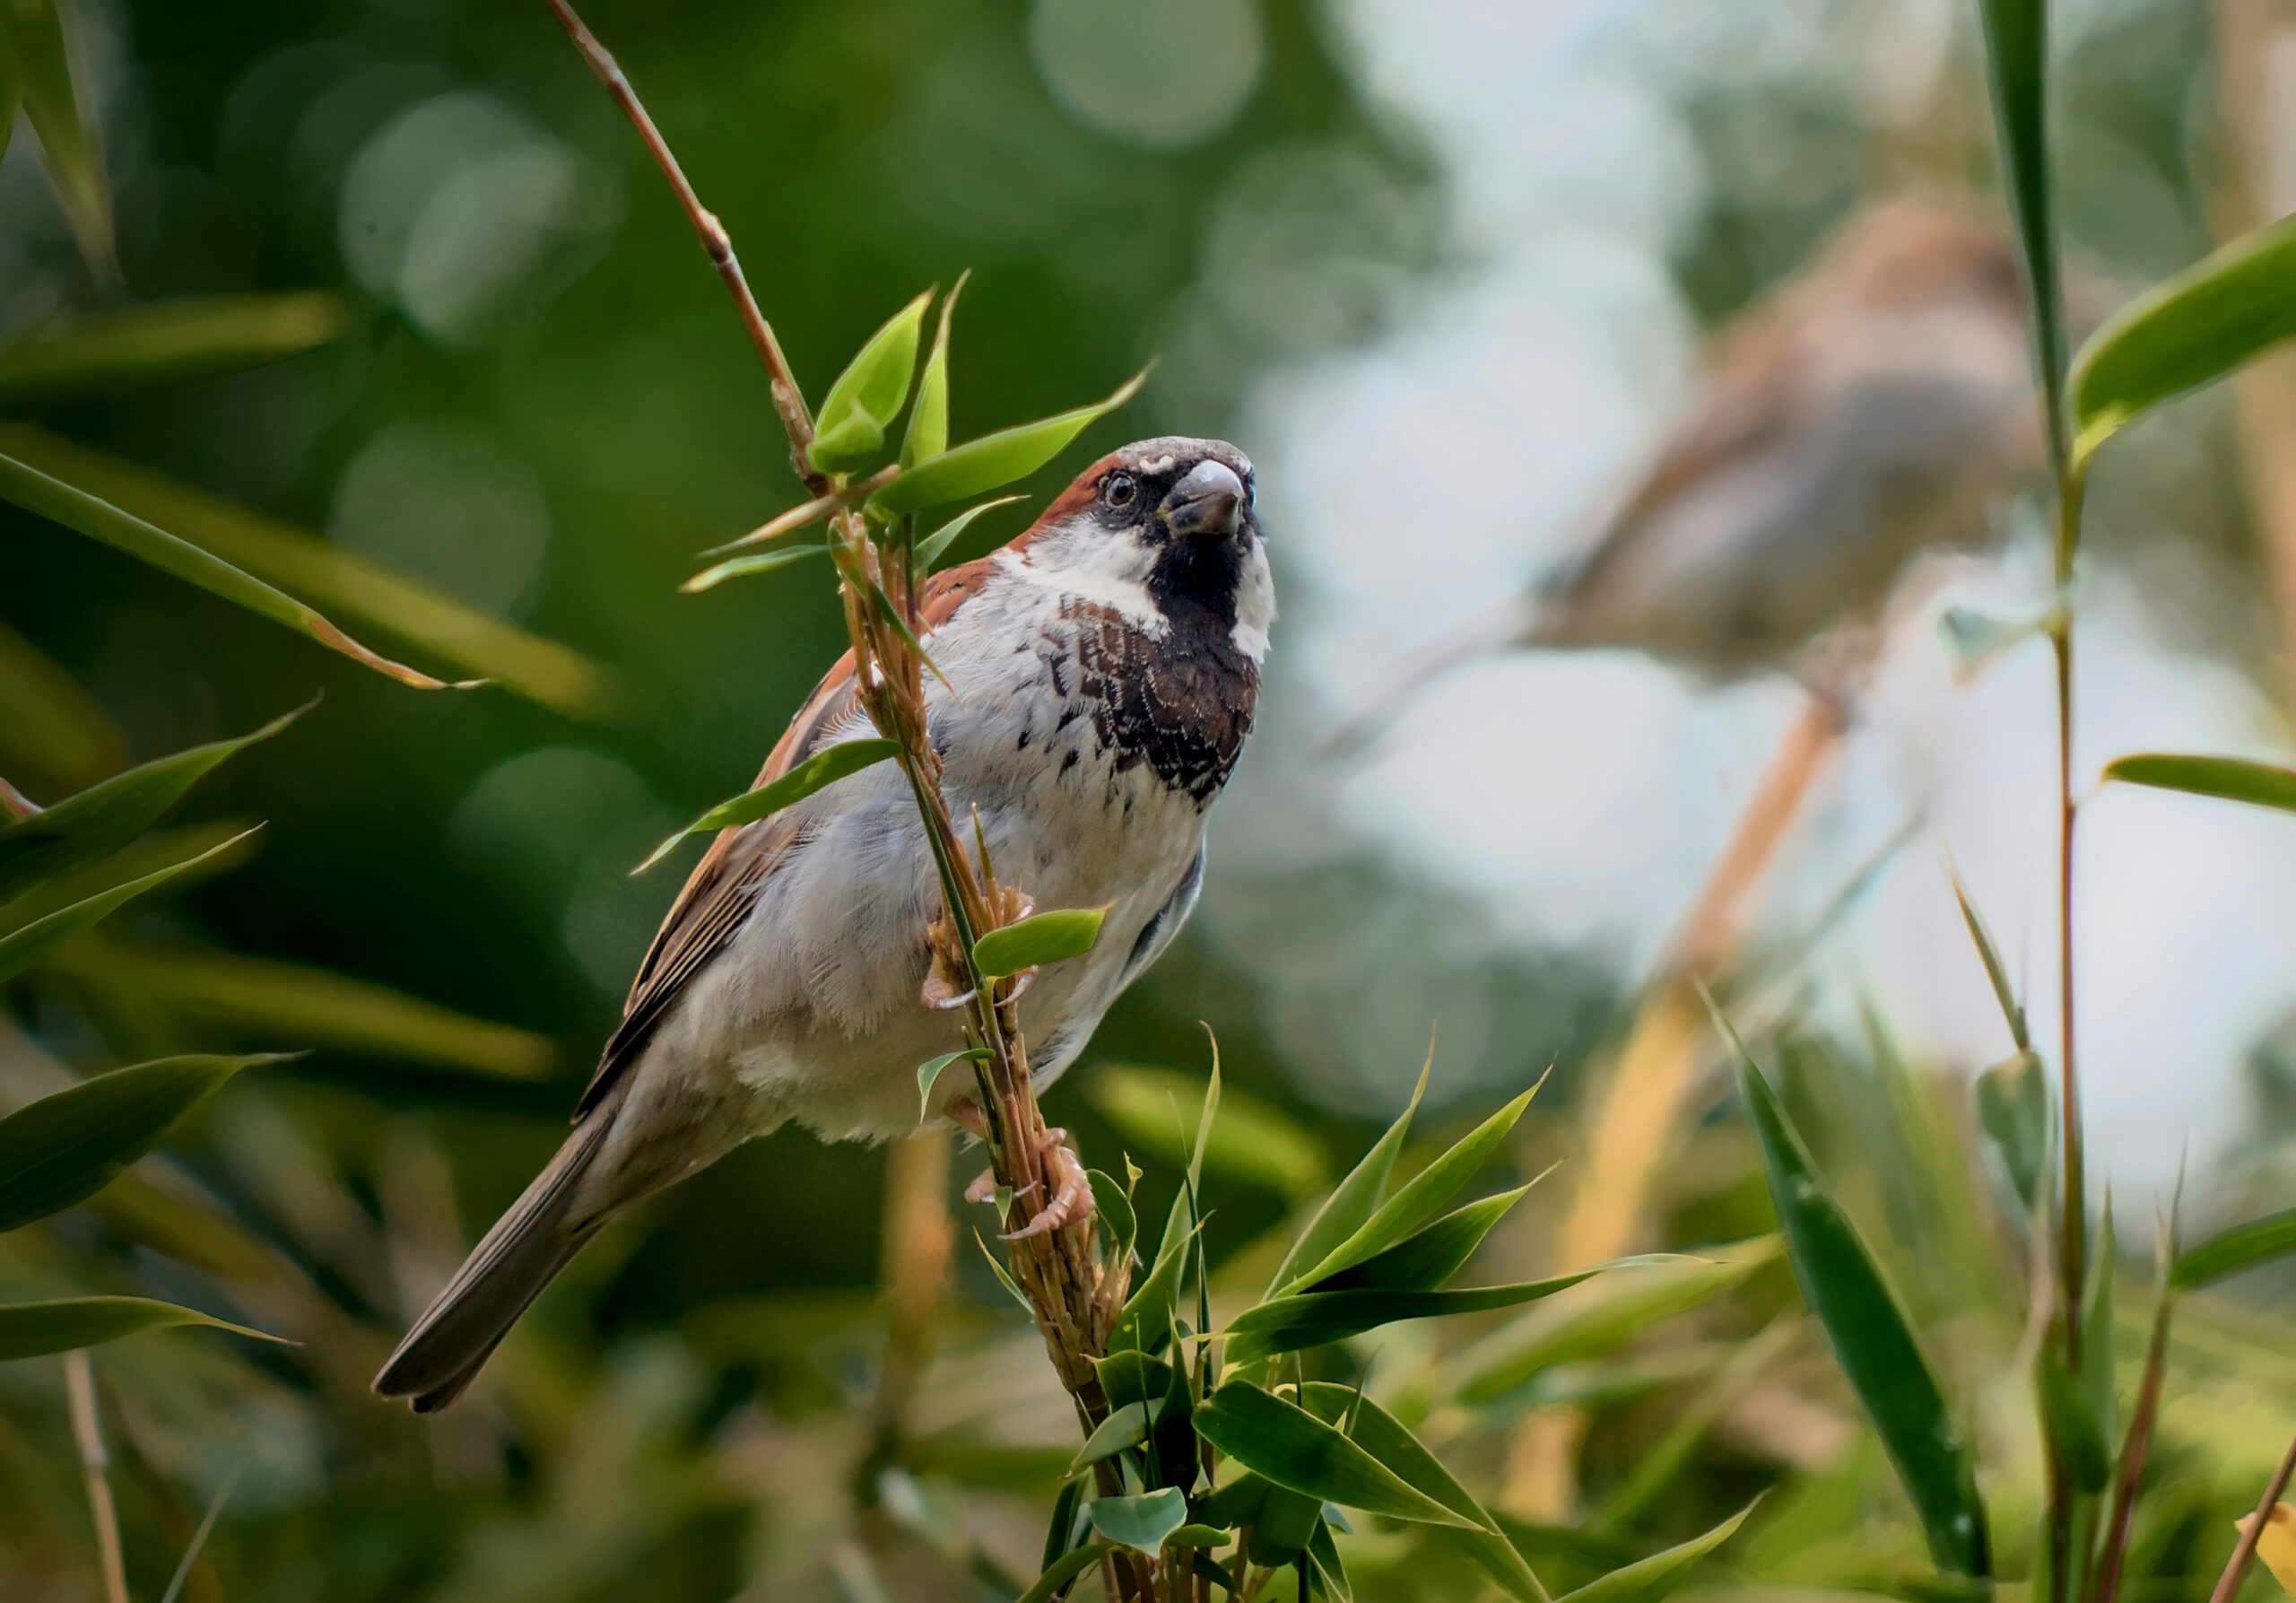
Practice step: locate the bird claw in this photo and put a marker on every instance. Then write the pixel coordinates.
(1072, 1196)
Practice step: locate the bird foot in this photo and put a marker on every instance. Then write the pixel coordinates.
(1072, 1191)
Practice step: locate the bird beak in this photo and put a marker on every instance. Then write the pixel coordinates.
(1209, 501)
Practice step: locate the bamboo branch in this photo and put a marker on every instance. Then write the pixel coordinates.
(2252, 1529)
(95, 1469)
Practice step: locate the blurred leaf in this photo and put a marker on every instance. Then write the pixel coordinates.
(935, 545)
(1253, 1142)
(202, 850)
(76, 509)
(311, 1007)
(48, 723)
(96, 821)
(2072, 1423)
(1140, 1523)
(1611, 1313)
(1313, 1319)
(2231, 778)
(2192, 330)
(816, 772)
(1988, 952)
(2096, 1379)
(1291, 1448)
(333, 576)
(1424, 1195)
(1660, 1573)
(1041, 939)
(1974, 638)
(41, 36)
(27, 943)
(136, 347)
(1357, 1196)
(928, 421)
(742, 567)
(1872, 1338)
(1657, 1465)
(12, 97)
(2012, 1109)
(929, 1071)
(63, 1148)
(30, 1330)
(2017, 51)
(1380, 1434)
(994, 460)
(1424, 1261)
(2242, 1247)
(1057, 1576)
(867, 396)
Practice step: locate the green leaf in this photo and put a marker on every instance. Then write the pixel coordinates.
(1005, 1275)
(867, 396)
(1611, 1313)
(1140, 1523)
(1147, 1313)
(2097, 1378)
(1357, 1196)
(994, 460)
(2016, 49)
(1058, 1575)
(31, 943)
(1424, 1195)
(2072, 1423)
(1323, 1554)
(1386, 1438)
(2192, 330)
(30, 1329)
(41, 39)
(1131, 1376)
(2242, 1247)
(2012, 1011)
(1655, 1576)
(1974, 638)
(311, 1007)
(742, 567)
(76, 509)
(137, 347)
(1119, 1224)
(1872, 1336)
(1061, 1531)
(2230, 779)
(823, 768)
(1043, 938)
(65, 1148)
(930, 1070)
(1424, 1261)
(49, 724)
(1290, 1447)
(96, 821)
(1253, 1142)
(935, 545)
(1295, 1323)
(1127, 1426)
(334, 579)
(928, 421)
(2012, 1109)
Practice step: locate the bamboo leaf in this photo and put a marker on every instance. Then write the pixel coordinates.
(30, 1329)
(1290, 1448)
(816, 772)
(2192, 330)
(1426, 1260)
(2012, 1109)
(2016, 50)
(1655, 1576)
(1041, 939)
(1140, 1523)
(2231, 1251)
(76, 509)
(2073, 1426)
(2012, 1011)
(1872, 1338)
(41, 39)
(96, 821)
(49, 724)
(1254, 1142)
(1127, 1426)
(163, 342)
(1296, 1322)
(994, 460)
(929, 1071)
(63, 1149)
(2230, 778)
(334, 579)
(1357, 1196)
(31, 943)
(1331, 1575)
(1056, 1576)
(867, 397)
(743, 567)
(935, 545)
(927, 435)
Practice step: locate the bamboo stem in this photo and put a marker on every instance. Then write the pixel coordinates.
(2252, 1530)
(95, 1471)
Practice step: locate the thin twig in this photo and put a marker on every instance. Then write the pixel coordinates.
(2136, 1447)
(95, 1469)
(2252, 1531)
(199, 1538)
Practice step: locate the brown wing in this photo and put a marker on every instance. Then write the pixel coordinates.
(721, 889)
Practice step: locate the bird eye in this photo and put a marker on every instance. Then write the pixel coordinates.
(1120, 491)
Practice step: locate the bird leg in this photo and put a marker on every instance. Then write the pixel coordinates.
(948, 979)
(1072, 1190)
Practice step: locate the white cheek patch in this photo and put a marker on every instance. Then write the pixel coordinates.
(1254, 606)
(1097, 584)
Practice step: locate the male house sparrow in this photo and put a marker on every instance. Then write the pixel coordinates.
(1867, 413)
(1105, 665)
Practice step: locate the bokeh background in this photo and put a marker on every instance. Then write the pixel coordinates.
(1445, 270)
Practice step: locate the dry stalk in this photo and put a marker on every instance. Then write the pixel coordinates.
(2252, 1529)
(95, 1469)
(1074, 1295)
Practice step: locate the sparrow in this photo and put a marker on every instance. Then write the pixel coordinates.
(1867, 413)
(1102, 672)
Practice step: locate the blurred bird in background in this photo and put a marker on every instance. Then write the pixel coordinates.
(1869, 411)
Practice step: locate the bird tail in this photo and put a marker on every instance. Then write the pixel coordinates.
(1516, 624)
(504, 1274)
